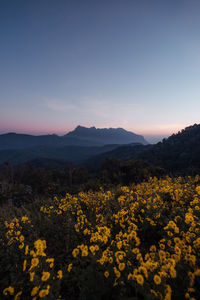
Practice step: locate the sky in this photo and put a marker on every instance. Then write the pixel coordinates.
(106, 63)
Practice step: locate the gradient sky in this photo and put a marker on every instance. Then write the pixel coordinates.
(106, 63)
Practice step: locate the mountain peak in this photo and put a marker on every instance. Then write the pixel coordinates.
(79, 127)
(105, 136)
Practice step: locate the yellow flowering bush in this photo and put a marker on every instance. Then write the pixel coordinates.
(137, 242)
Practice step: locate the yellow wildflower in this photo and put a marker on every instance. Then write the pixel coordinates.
(26, 250)
(187, 295)
(24, 265)
(43, 293)
(153, 248)
(92, 249)
(32, 274)
(121, 266)
(96, 247)
(50, 261)
(119, 245)
(21, 238)
(60, 274)
(21, 246)
(9, 290)
(75, 252)
(45, 276)
(157, 279)
(34, 263)
(130, 276)
(69, 267)
(106, 274)
(35, 291)
(40, 246)
(17, 296)
(198, 189)
(24, 219)
(173, 272)
(84, 252)
(140, 279)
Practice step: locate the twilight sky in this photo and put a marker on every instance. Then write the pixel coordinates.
(106, 63)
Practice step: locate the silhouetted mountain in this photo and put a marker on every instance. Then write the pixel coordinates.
(106, 135)
(81, 136)
(180, 153)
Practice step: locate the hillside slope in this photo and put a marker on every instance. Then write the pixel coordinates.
(124, 152)
(179, 152)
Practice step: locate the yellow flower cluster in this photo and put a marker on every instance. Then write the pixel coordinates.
(145, 237)
(14, 231)
(34, 262)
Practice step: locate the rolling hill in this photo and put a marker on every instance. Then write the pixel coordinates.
(73, 154)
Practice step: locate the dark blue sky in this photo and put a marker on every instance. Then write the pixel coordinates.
(109, 63)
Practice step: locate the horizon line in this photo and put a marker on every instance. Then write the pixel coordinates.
(63, 132)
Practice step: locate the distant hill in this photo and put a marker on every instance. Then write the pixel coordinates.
(80, 136)
(74, 154)
(123, 152)
(24, 141)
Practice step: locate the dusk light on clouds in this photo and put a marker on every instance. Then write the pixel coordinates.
(130, 64)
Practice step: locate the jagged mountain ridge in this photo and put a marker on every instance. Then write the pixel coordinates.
(80, 136)
(106, 135)
(180, 153)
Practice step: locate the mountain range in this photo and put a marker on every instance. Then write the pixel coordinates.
(80, 136)
(179, 153)
(76, 146)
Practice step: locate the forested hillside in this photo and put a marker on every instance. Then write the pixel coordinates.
(180, 153)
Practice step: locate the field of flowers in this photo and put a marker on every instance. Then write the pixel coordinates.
(138, 242)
